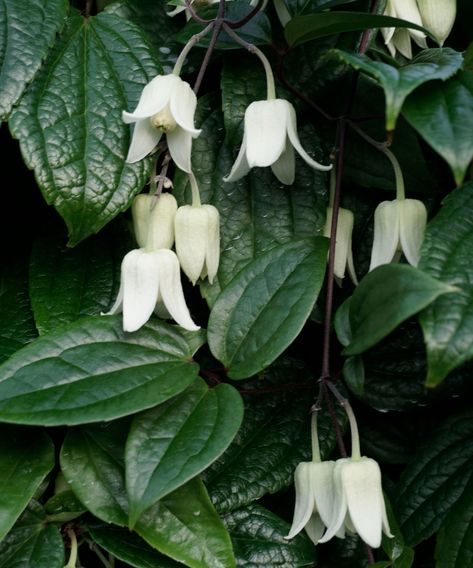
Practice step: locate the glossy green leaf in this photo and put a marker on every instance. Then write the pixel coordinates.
(32, 542)
(313, 26)
(185, 526)
(442, 113)
(25, 43)
(446, 255)
(385, 298)
(91, 370)
(26, 457)
(273, 439)
(64, 507)
(354, 374)
(258, 539)
(170, 444)
(66, 284)
(435, 479)
(455, 538)
(129, 547)
(69, 122)
(398, 83)
(266, 305)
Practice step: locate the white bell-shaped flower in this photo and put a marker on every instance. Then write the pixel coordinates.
(399, 226)
(148, 280)
(167, 105)
(197, 231)
(358, 501)
(438, 16)
(343, 249)
(400, 38)
(153, 220)
(269, 139)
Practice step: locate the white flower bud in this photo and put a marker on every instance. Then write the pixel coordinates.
(438, 16)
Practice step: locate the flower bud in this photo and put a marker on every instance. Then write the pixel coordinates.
(343, 249)
(197, 230)
(153, 220)
(438, 16)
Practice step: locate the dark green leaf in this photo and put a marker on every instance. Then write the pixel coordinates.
(24, 43)
(91, 370)
(314, 26)
(442, 113)
(26, 457)
(32, 542)
(266, 305)
(273, 439)
(385, 298)
(435, 478)
(440, 63)
(446, 255)
(354, 374)
(298, 7)
(185, 526)
(69, 122)
(341, 323)
(129, 547)
(64, 507)
(170, 444)
(258, 540)
(455, 538)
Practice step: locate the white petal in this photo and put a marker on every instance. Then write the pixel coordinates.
(284, 168)
(323, 489)
(140, 288)
(294, 138)
(191, 239)
(177, 10)
(402, 42)
(388, 32)
(212, 257)
(180, 148)
(170, 289)
(339, 503)
(161, 222)
(408, 10)
(304, 499)
(182, 105)
(362, 483)
(265, 129)
(315, 528)
(343, 238)
(413, 219)
(438, 17)
(144, 139)
(240, 168)
(385, 522)
(386, 233)
(154, 97)
(117, 306)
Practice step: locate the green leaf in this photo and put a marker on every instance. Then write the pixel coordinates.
(24, 43)
(446, 255)
(298, 7)
(442, 113)
(440, 63)
(273, 439)
(170, 444)
(32, 542)
(69, 123)
(385, 298)
(64, 507)
(258, 535)
(313, 26)
(129, 547)
(265, 306)
(66, 284)
(185, 526)
(435, 479)
(354, 374)
(26, 457)
(91, 370)
(455, 538)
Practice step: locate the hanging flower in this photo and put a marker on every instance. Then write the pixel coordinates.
(167, 105)
(343, 250)
(153, 220)
(438, 16)
(269, 139)
(399, 225)
(400, 38)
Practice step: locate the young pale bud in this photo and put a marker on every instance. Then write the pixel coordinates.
(438, 16)
(197, 230)
(153, 221)
(343, 250)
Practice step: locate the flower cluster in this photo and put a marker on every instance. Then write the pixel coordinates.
(437, 16)
(338, 497)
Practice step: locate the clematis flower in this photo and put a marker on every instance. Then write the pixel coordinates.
(153, 220)
(149, 279)
(167, 105)
(358, 501)
(197, 230)
(314, 485)
(270, 138)
(438, 16)
(343, 251)
(400, 38)
(399, 225)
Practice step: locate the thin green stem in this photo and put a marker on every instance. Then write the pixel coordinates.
(355, 437)
(189, 45)
(74, 549)
(315, 437)
(195, 190)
